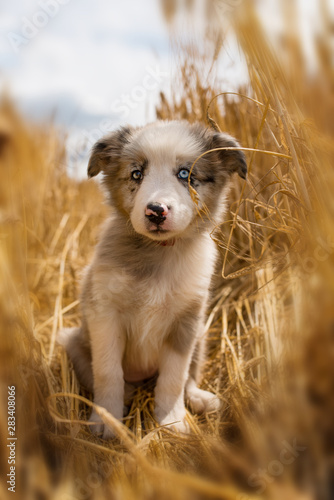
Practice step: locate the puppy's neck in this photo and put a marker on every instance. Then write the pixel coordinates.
(167, 243)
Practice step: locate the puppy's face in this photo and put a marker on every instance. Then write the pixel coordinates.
(147, 174)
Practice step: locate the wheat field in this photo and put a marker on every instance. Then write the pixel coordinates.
(271, 320)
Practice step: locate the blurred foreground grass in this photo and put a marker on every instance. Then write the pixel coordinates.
(271, 322)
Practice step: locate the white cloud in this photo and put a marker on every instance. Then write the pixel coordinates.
(94, 51)
(89, 56)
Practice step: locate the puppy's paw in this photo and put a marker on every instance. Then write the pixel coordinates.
(174, 420)
(99, 428)
(201, 401)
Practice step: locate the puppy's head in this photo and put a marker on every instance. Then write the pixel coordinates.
(146, 172)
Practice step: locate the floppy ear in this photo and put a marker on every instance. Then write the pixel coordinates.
(232, 161)
(107, 151)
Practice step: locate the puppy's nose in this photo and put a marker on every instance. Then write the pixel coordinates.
(156, 209)
(156, 212)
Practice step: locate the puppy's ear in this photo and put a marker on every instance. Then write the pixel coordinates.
(108, 151)
(232, 161)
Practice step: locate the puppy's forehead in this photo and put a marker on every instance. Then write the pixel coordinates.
(172, 142)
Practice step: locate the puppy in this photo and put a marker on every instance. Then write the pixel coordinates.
(145, 293)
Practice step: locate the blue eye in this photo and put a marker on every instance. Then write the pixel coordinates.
(136, 175)
(183, 174)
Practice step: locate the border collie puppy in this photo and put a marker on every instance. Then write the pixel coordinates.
(145, 293)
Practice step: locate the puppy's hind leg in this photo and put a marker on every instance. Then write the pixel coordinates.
(77, 345)
(200, 401)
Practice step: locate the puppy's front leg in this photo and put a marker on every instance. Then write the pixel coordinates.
(108, 344)
(169, 391)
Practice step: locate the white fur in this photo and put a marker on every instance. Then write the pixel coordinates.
(140, 351)
(141, 321)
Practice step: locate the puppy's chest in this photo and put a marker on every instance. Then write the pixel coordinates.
(171, 284)
(152, 315)
(166, 291)
(163, 287)
(147, 304)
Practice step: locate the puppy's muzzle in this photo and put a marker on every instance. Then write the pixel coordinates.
(156, 213)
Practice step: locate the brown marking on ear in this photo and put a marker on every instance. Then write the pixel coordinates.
(183, 331)
(233, 161)
(108, 151)
(97, 160)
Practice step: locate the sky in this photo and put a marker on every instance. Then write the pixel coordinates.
(93, 65)
(81, 57)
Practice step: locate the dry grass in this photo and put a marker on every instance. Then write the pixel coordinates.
(270, 346)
